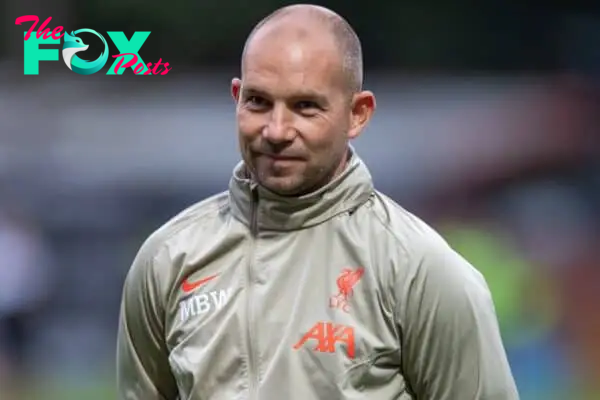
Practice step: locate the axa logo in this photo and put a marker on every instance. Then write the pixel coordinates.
(345, 283)
(326, 336)
(128, 56)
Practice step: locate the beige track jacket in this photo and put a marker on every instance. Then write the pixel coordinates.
(340, 294)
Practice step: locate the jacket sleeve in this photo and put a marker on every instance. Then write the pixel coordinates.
(143, 371)
(452, 347)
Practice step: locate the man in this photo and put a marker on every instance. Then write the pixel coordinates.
(302, 281)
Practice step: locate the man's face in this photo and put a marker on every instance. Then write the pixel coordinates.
(294, 115)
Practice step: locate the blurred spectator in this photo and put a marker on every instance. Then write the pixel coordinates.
(24, 285)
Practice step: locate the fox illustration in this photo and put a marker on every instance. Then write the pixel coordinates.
(72, 45)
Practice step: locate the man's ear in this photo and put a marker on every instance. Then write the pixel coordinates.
(362, 109)
(236, 85)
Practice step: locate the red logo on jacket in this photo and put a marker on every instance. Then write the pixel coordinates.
(345, 283)
(327, 335)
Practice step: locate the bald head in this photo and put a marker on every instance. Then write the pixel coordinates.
(299, 21)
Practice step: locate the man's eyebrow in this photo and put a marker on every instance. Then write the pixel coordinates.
(308, 94)
(250, 90)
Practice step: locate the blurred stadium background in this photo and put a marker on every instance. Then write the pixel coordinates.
(487, 128)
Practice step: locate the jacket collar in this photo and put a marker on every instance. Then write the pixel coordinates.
(345, 193)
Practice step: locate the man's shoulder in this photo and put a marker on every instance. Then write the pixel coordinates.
(410, 231)
(197, 215)
(424, 253)
(153, 260)
(202, 210)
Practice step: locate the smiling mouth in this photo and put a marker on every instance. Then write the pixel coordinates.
(276, 157)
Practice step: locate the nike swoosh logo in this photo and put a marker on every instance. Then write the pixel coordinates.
(188, 286)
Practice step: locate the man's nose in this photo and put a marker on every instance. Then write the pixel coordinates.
(279, 129)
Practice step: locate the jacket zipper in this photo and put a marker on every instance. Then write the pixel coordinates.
(251, 326)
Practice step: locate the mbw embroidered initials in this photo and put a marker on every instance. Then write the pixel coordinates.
(327, 335)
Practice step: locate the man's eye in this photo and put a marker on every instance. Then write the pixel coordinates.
(303, 105)
(256, 101)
